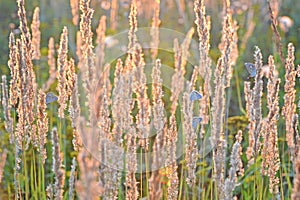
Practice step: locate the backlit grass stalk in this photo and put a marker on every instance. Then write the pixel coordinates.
(14, 71)
(254, 109)
(36, 34)
(119, 113)
(109, 176)
(131, 137)
(131, 134)
(177, 87)
(223, 75)
(180, 56)
(191, 150)
(143, 104)
(270, 153)
(30, 81)
(87, 47)
(62, 85)
(62, 65)
(70, 76)
(133, 24)
(42, 124)
(73, 177)
(171, 169)
(26, 128)
(131, 165)
(236, 167)
(19, 133)
(159, 122)
(203, 29)
(57, 168)
(154, 32)
(255, 117)
(289, 108)
(74, 113)
(177, 79)
(217, 131)
(24, 26)
(228, 46)
(118, 103)
(51, 64)
(8, 120)
(88, 187)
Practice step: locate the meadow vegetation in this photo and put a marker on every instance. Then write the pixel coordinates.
(90, 111)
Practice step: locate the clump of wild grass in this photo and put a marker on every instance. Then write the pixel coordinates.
(125, 112)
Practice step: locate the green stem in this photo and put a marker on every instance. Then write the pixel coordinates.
(181, 183)
(141, 175)
(147, 175)
(202, 177)
(254, 185)
(34, 175)
(261, 188)
(40, 192)
(32, 180)
(26, 176)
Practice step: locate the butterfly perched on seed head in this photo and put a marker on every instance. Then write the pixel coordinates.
(196, 121)
(251, 69)
(195, 95)
(50, 97)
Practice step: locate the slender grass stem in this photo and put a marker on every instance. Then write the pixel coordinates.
(64, 135)
(255, 181)
(43, 180)
(40, 184)
(34, 173)
(32, 186)
(141, 175)
(202, 177)
(261, 187)
(181, 183)
(27, 191)
(147, 164)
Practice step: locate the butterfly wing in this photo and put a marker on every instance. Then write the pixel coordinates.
(196, 121)
(195, 95)
(50, 97)
(251, 69)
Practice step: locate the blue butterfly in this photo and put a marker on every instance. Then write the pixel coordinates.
(195, 95)
(251, 69)
(196, 121)
(50, 97)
